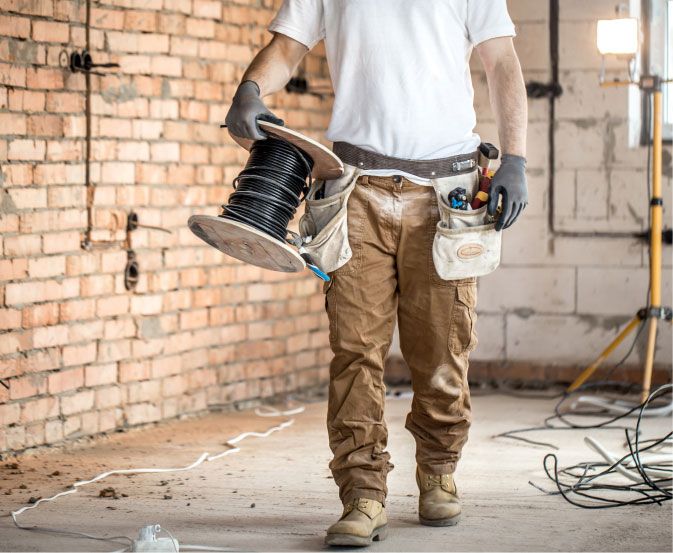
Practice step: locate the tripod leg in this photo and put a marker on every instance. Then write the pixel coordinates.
(656, 208)
(603, 356)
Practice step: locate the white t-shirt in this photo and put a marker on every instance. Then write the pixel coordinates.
(400, 69)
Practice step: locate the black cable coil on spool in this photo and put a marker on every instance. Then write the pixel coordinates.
(271, 187)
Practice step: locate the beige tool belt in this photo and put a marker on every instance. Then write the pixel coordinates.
(324, 225)
(466, 243)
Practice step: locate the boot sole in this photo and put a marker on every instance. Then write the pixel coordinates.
(379, 534)
(451, 521)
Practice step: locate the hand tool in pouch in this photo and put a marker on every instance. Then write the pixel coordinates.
(253, 225)
(487, 152)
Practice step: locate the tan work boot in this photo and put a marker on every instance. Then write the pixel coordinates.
(362, 522)
(438, 503)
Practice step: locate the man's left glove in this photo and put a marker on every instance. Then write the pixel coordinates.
(509, 182)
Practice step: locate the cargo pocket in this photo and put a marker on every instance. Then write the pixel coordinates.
(462, 336)
(324, 226)
(466, 243)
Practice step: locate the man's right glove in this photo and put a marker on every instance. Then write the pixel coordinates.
(246, 108)
(510, 182)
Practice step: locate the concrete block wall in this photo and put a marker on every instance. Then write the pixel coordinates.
(558, 300)
(79, 354)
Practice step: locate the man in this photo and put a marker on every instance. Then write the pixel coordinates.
(403, 112)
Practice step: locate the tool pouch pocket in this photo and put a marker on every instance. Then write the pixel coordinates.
(466, 243)
(324, 225)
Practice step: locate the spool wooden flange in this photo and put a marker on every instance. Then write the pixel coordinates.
(246, 243)
(253, 246)
(325, 164)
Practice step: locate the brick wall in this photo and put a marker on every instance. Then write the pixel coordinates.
(558, 300)
(78, 353)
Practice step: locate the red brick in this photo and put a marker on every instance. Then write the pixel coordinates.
(44, 78)
(114, 351)
(107, 19)
(13, 269)
(108, 397)
(76, 310)
(50, 31)
(47, 336)
(131, 371)
(65, 102)
(27, 150)
(17, 27)
(39, 409)
(98, 375)
(203, 28)
(40, 315)
(77, 402)
(79, 355)
(44, 267)
(154, 43)
(65, 380)
(26, 100)
(39, 361)
(140, 21)
(45, 125)
(167, 65)
(16, 246)
(9, 414)
(61, 242)
(13, 123)
(27, 386)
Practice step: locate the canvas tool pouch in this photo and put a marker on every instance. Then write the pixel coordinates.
(466, 243)
(324, 225)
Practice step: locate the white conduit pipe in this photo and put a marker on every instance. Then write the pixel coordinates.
(630, 474)
(621, 407)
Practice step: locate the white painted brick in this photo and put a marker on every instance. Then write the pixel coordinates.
(560, 340)
(591, 195)
(628, 200)
(565, 182)
(532, 45)
(538, 180)
(528, 10)
(581, 10)
(491, 334)
(537, 145)
(584, 98)
(532, 289)
(616, 290)
(581, 143)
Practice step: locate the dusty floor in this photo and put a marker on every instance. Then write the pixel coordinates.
(276, 494)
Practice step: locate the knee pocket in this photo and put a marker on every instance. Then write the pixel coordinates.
(462, 334)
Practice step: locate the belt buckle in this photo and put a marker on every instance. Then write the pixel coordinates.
(463, 165)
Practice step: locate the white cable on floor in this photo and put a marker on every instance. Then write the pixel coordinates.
(201, 459)
(621, 407)
(630, 474)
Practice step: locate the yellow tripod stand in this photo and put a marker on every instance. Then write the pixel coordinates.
(655, 311)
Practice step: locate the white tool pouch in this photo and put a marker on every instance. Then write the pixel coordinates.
(324, 225)
(466, 243)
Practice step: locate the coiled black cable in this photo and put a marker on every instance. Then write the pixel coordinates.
(269, 190)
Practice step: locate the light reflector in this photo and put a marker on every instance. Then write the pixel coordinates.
(618, 36)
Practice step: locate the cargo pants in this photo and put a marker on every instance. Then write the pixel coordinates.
(391, 225)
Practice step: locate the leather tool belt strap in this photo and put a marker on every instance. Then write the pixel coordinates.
(427, 168)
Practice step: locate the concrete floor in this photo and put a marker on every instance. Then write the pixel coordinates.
(286, 477)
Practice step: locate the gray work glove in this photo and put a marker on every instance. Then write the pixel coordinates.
(510, 182)
(245, 109)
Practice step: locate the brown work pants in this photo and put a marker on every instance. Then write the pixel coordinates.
(391, 225)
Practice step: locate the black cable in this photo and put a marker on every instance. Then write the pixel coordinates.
(269, 190)
(649, 491)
